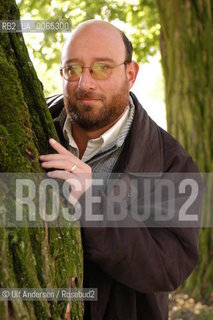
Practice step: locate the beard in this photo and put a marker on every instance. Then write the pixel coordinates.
(90, 117)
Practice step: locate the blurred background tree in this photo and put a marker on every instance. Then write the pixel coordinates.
(186, 43)
(185, 29)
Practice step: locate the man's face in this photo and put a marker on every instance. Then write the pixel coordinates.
(91, 103)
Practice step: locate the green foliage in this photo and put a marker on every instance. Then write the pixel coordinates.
(137, 18)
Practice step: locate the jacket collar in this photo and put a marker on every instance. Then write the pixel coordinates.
(144, 147)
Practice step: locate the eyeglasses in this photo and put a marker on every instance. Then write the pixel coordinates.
(98, 71)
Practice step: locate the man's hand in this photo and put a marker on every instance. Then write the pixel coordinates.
(68, 168)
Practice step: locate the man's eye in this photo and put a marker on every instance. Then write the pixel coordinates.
(100, 67)
(73, 69)
(69, 70)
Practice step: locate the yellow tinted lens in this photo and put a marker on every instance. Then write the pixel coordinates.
(100, 71)
(73, 72)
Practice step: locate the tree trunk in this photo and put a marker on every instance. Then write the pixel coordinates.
(30, 257)
(187, 60)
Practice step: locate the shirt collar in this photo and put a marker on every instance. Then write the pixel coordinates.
(94, 145)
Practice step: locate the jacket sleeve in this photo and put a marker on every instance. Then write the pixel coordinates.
(146, 259)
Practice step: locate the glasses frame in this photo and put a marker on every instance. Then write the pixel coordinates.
(90, 70)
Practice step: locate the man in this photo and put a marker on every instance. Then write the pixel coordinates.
(103, 128)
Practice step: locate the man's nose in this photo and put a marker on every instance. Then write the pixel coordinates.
(86, 81)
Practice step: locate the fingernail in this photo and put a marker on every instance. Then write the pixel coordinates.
(52, 140)
(49, 174)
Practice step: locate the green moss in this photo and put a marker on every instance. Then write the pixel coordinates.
(39, 113)
(39, 257)
(14, 118)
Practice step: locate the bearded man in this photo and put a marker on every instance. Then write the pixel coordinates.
(103, 128)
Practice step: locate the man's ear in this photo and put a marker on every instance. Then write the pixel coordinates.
(132, 69)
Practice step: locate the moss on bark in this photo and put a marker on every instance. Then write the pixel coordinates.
(30, 257)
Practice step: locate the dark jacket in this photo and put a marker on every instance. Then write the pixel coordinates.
(134, 268)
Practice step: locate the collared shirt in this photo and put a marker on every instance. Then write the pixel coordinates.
(94, 145)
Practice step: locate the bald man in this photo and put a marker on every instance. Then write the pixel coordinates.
(103, 128)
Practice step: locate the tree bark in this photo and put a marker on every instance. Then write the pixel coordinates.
(187, 59)
(30, 257)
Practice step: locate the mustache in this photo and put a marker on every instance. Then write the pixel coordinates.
(88, 95)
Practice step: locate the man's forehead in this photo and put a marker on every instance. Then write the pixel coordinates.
(98, 27)
(95, 34)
